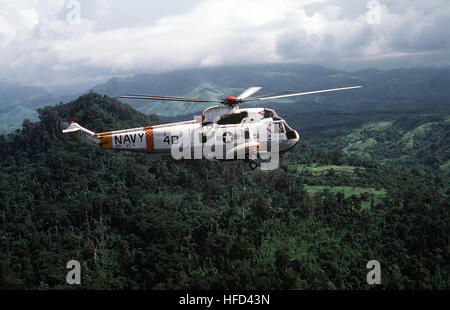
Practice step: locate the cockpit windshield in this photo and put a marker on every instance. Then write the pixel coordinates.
(290, 133)
(288, 128)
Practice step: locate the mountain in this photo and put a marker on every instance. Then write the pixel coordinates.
(400, 89)
(422, 89)
(18, 102)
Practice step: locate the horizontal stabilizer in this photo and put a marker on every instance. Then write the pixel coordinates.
(73, 127)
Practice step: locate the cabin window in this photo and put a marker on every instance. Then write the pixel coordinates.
(235, 118)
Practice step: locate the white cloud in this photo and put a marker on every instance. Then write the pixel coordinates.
(120, 38)
(28, 18)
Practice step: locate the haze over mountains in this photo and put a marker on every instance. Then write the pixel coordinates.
(18, 102)
(401, 89)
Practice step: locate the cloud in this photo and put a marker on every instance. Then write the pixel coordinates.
(321, 37)
(39, 46)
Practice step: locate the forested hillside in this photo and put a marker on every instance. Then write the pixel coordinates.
(407, 138)
(314, 223)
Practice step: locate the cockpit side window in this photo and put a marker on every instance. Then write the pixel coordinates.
(235, 118)
(271, 114)
(268, 113)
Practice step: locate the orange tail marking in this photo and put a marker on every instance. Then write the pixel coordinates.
(106, 140)
(149, 139)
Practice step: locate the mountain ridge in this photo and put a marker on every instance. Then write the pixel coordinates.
(405, 89)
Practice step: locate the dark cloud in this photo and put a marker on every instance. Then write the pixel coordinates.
(423, 33)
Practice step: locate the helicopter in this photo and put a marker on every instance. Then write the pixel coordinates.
(222, 132)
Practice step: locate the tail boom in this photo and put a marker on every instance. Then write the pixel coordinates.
(137, 139)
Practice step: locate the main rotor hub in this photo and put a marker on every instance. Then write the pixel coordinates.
(231, 101)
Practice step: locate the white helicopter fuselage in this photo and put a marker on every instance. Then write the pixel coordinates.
(221, 133)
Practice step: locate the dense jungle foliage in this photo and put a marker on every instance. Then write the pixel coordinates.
(133, 223)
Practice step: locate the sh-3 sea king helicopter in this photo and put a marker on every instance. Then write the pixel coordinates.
(222, 132)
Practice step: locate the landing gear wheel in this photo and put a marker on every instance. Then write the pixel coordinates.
(253, 165)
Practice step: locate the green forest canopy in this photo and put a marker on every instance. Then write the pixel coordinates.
(138, 224)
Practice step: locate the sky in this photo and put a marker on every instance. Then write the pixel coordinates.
(64, 43)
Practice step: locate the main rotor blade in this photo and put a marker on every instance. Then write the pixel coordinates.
(248, 93)
(149, 97)
(301, 94)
